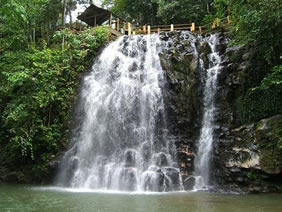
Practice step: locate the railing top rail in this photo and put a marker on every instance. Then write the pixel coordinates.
(129, 28)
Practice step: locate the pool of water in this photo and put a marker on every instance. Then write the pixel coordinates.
(29, 198)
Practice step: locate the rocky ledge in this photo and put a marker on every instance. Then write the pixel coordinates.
(246, 157)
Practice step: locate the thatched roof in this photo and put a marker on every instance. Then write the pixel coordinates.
(88, 16)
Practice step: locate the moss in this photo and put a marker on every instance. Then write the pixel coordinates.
(252, 175)
(268, 135)
(237, 56)
(259, 103)
(240, 107)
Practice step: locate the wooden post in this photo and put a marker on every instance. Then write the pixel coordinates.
(134, 33)
(171, 28)
(129, 29)
(159, 30)
(200, 29)
(217, 20)
(228, 19)
(193, 27)
(95, 21)
(149, 30)
(63, 42)
(111, 17)
(144, 29)
(213, 24)
(118, 24)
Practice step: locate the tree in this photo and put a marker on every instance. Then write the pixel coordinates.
(258, 22)
(159, 11)
(13, 28)
(182, 11)
(136, 11)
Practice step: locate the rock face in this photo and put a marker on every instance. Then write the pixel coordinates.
(26, 176)
(185, 61)
(180, 60)
(247, 158)
(250, 157)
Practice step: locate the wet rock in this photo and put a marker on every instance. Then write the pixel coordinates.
(161, 160)
(205, 60)
(130, 158)
(173, 181)
(204, 48)
(220, 48)
(189, 183)
(154, 180)
(128, 181)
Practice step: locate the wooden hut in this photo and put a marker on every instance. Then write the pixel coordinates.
(96, 16)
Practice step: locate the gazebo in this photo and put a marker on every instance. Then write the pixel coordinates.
(96, 16)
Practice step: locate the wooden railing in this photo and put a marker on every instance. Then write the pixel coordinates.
(129, 29)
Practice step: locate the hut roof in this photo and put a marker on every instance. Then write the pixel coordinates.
(88, 16)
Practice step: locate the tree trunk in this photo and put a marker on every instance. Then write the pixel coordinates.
(70, 18)
(63, 12)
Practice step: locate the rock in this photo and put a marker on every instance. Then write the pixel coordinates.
(52, 169)
(161, 160)
(153, 180)
(255, 157)
(220, 48)
(204, 47)
(189, 183)
(128, 179)
(130, 158)
(205, 59)
(13, 177)
(173, 183)
(268, 135)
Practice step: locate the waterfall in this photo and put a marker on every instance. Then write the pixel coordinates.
(205, 144)
(121, 140)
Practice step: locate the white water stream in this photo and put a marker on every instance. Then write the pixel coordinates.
(121, 143)
(205, 144)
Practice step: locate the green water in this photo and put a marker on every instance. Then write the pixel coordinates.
(26, 198)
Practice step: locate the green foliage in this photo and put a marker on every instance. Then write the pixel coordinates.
(184, 11)
(13, 22)
(159, 11)
(258, 22)
(252, 175)
(37, 88)
(265, 100)
(142, 12)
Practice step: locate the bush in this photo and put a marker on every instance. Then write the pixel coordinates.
(265, 100)
(37, 88)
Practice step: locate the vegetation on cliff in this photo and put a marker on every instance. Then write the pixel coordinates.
(257, 24)
(39, 80)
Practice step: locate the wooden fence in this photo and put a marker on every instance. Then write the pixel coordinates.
(130, 29)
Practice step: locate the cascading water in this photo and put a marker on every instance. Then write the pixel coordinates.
(121, 143)
(202, 161)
